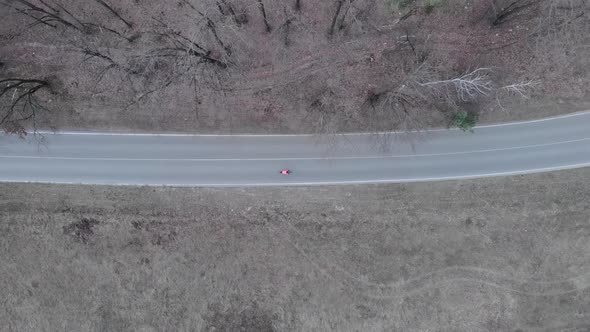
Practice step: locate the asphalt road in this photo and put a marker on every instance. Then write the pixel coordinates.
(210, 160)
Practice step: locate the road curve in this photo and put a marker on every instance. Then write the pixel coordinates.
(255, 160)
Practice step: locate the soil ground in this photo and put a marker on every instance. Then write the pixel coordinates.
(496, 254)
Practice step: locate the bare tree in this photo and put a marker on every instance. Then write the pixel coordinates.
(19, 104)
(53, 14)
(212, 28)
(91, 52)
(504, 10)
(226, 8)
(402, 106)
(349, 13)
(112, 10)
(522, 90)
(564, 20)
(339, 4)
(397, 109)
(344, 14)
(49, 13)
(285, 28)
(264, 17)
(179, 44)
(466, 88)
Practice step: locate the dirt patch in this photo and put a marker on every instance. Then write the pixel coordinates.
(249, 319)
(81, 230)
(492, 254)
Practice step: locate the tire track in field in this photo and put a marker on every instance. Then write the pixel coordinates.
(448, 275)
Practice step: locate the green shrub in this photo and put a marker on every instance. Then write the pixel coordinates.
(464, 120)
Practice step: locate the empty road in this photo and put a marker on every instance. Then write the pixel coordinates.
(255, 160)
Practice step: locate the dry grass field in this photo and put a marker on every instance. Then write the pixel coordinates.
(496, 254)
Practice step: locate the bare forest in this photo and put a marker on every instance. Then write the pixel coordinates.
(285, 65)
